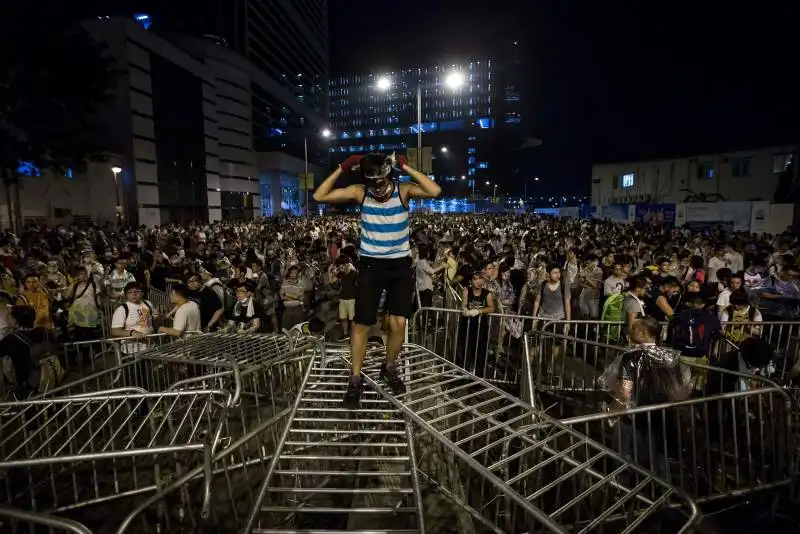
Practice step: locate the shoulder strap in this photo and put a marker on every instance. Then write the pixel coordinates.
(751, 312)
(127, 310)
(729, 311)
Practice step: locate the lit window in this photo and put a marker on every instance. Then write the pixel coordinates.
(471, 150)
(483, 165)
(781, 162)
(471, 160)
(705, 171)
(628, 179)
(143, 19)
(740, 167)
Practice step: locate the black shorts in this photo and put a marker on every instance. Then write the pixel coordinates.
(375, 275)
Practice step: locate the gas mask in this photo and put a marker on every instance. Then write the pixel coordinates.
(378, 181)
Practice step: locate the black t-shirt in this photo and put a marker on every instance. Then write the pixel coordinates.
(348, 288)
(465, 272)
(244, 321)
(158, 277)
(209, 303)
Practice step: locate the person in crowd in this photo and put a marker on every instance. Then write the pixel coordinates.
(615, 282)
(38, 298)
(119, 279)
(134, 318)
(247, 315)
(293, 296)
(347, 276)
(476, 302)
(633, 304)
(186, 315)
(385, 255)
(264, 292)
(84, 297)
(25, 345)
(212, 308)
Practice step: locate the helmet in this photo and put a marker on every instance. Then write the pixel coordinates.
(375, 166)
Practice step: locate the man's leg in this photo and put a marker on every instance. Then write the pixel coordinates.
(369, 293)
(399, 303)
(397, 334)
(358, 347)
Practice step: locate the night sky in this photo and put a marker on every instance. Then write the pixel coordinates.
(606, 80)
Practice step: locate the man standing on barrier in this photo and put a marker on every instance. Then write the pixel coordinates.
(385, 255)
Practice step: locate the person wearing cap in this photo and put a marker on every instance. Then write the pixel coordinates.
(385, 255)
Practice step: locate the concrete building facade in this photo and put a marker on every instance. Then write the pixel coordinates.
(743, 175)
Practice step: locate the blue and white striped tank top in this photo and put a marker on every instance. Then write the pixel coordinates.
(384, 227)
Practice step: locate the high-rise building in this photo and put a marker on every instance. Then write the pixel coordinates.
(378, 112)
(264, 91)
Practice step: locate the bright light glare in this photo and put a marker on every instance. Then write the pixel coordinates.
(444, 150)
(116, 170)
(488, 182)
(536, 179)
(463, 177)
(454, 80)
(384, 83)
(326, 133)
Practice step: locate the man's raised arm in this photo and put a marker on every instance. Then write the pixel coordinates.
(423, 187)
(326, 191)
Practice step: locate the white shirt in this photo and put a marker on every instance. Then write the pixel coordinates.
(140, 319)
(735, 261)
(187, 318)
(714, 264)
(723, 301)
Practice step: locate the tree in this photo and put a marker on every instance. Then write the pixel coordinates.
(54, 77)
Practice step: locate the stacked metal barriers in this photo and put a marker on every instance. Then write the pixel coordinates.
(510, 468)
(203, 410)
(739, 433)
(731, 437)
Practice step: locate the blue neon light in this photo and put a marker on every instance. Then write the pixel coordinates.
(143, 19)
(26, 168)
(483, 165)
(484, 122)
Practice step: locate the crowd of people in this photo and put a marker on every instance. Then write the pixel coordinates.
(271, 274)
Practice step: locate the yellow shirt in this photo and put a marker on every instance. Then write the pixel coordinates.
(40, 302)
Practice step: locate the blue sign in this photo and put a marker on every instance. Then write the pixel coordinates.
(655, 214)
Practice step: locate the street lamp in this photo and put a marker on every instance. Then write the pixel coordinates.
(116, 170)
(454, 80)
(444, 150)
(325, 134)
(494, 194)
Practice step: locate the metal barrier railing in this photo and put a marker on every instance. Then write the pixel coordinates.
(489, 346)
(16, 517)
(721, 443)
(129, 429)
(519, 470)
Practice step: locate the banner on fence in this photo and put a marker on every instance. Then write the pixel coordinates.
(655, 214)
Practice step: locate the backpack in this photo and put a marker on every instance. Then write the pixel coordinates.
(47, 372)
(737, 334)
(225, 296)
(751, 313)
(691, 333)
(612, 312)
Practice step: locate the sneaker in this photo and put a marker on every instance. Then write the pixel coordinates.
(352, 397)
(392, 379)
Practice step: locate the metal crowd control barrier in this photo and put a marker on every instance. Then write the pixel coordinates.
(130, 429)
(239, 470)
(85, 357)
(489, 346)
(519, 470)
(64, 453)
(339, 467)
(15, 518)
(726, 441)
